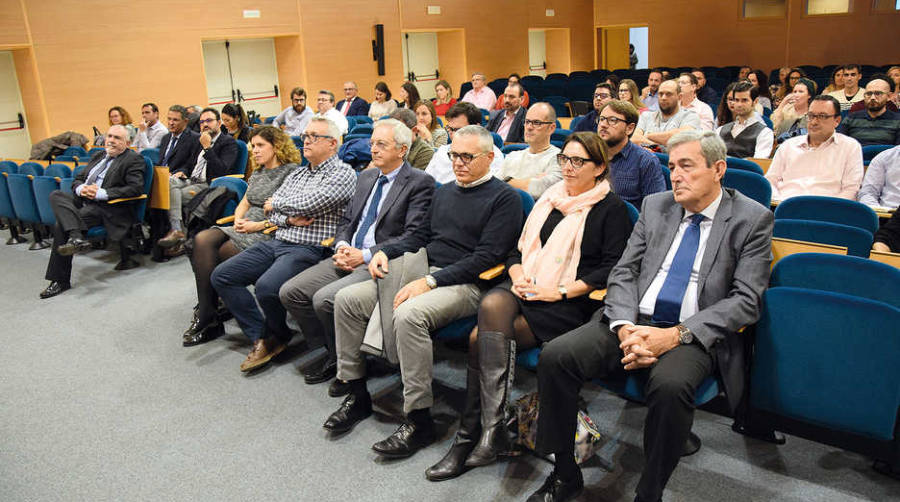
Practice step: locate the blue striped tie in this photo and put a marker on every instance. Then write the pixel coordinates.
(371, 214)
(671, 295)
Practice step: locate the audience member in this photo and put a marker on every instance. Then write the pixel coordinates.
(535, 168)
(481, 95)
(603, 94)
(383, 104)
(352, 105)
(744, 72)
(427, 127)
(821, 162)
(648, 94)
(881, 185)
(473, 225)
(514, 78)
(273, 157)
(217, 158)
(894, 74)
(294, 119)
(306, 208)
(150, 129)
(747, 135)
(458, 116)
(690, 102)
(194, 117)
(613, 80)
(634, 171)
(117, 174)
(390, 204)
(444, 97)
(655, 127)
(179, 149)
(788, 82)
(325, 108)
(628, 91)
(876, 125)
(851, 93)
(704, 92)
(509, 123)
(790, 116)
(235, 122)
(118, 116)
(580, 218)
(887, 238)
(419, 153)
(761, 81)
(407, 96)
(836, 82)
(665, 316)
(725, 112)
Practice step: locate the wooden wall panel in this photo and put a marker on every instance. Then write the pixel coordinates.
(32, 96)
(289, 57)
(452, 58)
(13, 32)
(558, 51)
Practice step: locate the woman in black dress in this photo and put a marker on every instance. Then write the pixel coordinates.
(573, 237)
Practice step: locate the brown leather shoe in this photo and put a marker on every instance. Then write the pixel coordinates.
(171, 239)
(263, 351)
(176, 250)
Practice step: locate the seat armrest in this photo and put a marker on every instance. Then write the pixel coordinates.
(492, 273)
(127, 199)
(227, 219)
(598, 294)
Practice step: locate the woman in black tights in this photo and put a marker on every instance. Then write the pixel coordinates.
(274, 157)
(571, 240)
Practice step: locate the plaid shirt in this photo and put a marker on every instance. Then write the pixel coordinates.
(319, 192)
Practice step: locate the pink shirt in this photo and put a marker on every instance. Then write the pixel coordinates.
(484, 98)
(833, 169)
(707, 121)
(505, 124)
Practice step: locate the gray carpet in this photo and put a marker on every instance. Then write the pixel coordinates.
(101, 402)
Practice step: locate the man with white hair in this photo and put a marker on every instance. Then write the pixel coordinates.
(352, 104)
(481, 95)
(474, 224)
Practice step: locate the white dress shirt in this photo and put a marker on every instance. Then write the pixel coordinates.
(150, 137)
(338, 118)
(764, 140)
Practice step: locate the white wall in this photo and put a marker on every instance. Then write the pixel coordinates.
(420, 55)
(638, 36)
(537, 51)
(16, 143)
(253, 70)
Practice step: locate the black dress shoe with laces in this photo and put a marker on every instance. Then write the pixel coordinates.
(199, 333)
(353, 410)
(555, 489)
(72, 246)
(54, 289)
(406, 440)
(322, 371)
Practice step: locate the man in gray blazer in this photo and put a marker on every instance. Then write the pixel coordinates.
(691, 277)
(390, 204)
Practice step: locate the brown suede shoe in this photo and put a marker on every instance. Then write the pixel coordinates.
(263, 351)
(171, 239)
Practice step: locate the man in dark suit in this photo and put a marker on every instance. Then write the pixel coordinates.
(692, 275)
(118, 174)
(352, 104)
(216, 157)
(179, 149)
(390, 204)
(509, 123)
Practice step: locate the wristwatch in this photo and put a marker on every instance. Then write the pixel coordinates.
(685, 337)
(429, 280)
(563, 292)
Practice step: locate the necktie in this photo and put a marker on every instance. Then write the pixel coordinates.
(668, 302)
(95, 173)
(347, 107)
(370, 214)
(170, 149)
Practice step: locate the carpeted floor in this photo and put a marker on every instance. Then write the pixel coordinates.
(101, 402)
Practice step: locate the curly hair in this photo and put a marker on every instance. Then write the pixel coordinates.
(285, 150)
(126, 118)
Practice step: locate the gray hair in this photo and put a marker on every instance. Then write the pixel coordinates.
(402, 134)
(711, 145)
(333, 130)
(479, 74)
(485, 139)
(119, 126)
(406, 116)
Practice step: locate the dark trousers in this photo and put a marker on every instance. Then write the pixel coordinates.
(68, 219)
(268, 265)
(592, 351)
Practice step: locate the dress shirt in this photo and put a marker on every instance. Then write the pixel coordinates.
(485, 98)
(689, 304)
(833, 169)
(847, 101)
(198, 175)
(319, 192)
(704, 112)
(441, 169)
(294, 123)
(506, 123)
(651, 101)
(338, 118)
(764, 140)
(635, 173)
(369, 238)
(150, 137)
(100, 171)
(346, 109)
(542, 168)
(881, 187)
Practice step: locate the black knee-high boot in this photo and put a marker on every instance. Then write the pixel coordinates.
(496, 359)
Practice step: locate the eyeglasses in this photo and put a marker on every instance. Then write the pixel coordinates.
(602, 96)
(381, 145)
(207, 121)
(465, 158)
(536, 123)
(610, 120)
(313, 137)
(876, 94)
(819, 116)
(454, 129)
(576, 162)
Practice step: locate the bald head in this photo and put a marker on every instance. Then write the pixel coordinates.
(116, 140)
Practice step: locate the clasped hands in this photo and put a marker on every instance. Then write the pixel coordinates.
(347, 258)
(643, 345)
(526, 289)
(378, 268)
(245, 226)
(89, 191)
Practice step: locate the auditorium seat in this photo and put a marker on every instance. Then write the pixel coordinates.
(363, 129)
(240, 162)
(512, 147)
(736, 163)
(856, 240)
(152, 154)
(31, 168)
(43, 186)
(236, 185)
(850, 275)
(76, 151)
(498, 85)
(751, 184)
(58, 171)
(870, 151)
(575, 120)
(7, 211)
(558, 102)
(829, 209)
(25, 206)
(560, 134)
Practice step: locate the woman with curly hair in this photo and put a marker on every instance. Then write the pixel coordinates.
(118, 116)
(273, 157)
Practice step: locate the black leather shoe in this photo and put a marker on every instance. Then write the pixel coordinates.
(338, 388)
(54, 289)
(198, 333)
(323, 371)
(73, 245)
(352, 411)
(406, 440)
(555, 489)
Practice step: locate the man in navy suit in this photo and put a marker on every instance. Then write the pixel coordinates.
(509, 123)
(179, 149)
(352, 104)
(390, 204)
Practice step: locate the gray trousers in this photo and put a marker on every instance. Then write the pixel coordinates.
(309, 298)
(414, 320)
(180, 193)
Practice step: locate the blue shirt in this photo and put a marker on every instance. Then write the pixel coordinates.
(103, 167)
(635, 174)
(651, 101)
(369, 238)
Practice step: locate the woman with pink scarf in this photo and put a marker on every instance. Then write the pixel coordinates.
(571, 240)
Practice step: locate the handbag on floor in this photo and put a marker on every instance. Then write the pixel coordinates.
(587, 437)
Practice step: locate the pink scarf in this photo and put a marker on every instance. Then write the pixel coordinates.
(557, 261)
